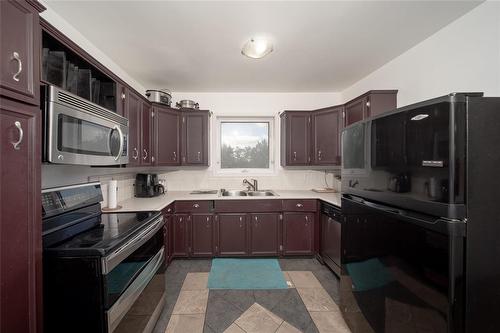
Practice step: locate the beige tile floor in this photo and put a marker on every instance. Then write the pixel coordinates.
(189, 311)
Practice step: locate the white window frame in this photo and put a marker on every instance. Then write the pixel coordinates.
(218, 170)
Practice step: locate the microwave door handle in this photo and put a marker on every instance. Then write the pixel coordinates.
(121, 142)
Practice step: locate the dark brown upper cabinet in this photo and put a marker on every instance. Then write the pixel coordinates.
(295, 138)
(195, 127)
(20, 216)
(327, 126)
(147, 153)
(140, 132)
(167, 128)
(313, 138)
(20, 50)
(181, 137)
(133, 106)
(371, 103)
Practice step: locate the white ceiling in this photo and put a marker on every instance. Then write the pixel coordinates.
(195, 46)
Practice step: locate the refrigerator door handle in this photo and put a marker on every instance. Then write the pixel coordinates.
(445, 226)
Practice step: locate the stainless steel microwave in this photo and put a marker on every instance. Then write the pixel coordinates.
(79, 132)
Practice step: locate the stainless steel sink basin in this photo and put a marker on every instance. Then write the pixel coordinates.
(233, 193)
(263, 193)
(238, 193)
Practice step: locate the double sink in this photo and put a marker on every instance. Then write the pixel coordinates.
(238, 193)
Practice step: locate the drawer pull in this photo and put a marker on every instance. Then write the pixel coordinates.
(299, 205)
(196, 205)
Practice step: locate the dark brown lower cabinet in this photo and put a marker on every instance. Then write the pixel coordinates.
(20, 217)
(298, 233)
(202, 235)
(264, 234)
(180, 242)
(232, 235)
(168, 239)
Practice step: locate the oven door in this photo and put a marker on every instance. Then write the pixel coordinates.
(401, 272)
(75, 136)
(138, 277)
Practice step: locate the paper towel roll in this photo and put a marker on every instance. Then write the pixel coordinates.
(112, 193)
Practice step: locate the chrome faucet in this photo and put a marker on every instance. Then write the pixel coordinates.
(251, 185)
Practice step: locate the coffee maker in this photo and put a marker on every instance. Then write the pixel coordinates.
(147, 185)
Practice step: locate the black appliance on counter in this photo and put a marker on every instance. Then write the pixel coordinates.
(420, 196)
(331, 226)
(99, 269)
(147, 185)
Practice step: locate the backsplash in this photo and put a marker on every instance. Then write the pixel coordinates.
(188, 180)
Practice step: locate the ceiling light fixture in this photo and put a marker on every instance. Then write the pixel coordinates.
(257, 48)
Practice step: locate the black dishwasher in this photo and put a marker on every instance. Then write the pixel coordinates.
(331, 227)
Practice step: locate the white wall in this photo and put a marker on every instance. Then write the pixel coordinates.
(67, 29)
(463, 56)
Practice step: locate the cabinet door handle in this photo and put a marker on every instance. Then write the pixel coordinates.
(123, 96)
(145, 154)
(175, 156)
(199, 156)
(15, 56)
(330, 220)
(197, 206)
(294, 155)
(307, 220)
(319, 155)
(136, 154)
(241, 222)
(299, 205)
(21, 136)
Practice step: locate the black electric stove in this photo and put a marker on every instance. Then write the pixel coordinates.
(97, 266)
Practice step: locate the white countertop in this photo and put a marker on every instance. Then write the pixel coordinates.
(162, 201)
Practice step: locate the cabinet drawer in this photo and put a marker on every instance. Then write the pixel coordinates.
(248, 206)
(193, 206)
(300, 205)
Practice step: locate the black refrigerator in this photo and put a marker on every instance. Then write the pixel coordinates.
(421, 203)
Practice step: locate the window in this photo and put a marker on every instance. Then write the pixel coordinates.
(245, 145)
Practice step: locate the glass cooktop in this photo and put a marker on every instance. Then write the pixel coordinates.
(113, 231)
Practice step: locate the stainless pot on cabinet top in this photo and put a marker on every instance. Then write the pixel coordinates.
(187, 104)
(163, 96)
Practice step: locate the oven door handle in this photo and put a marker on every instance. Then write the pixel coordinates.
(111, 261)
(121, 142)
(132, 293)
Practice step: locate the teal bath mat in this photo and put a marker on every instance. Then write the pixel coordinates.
(246, 274)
